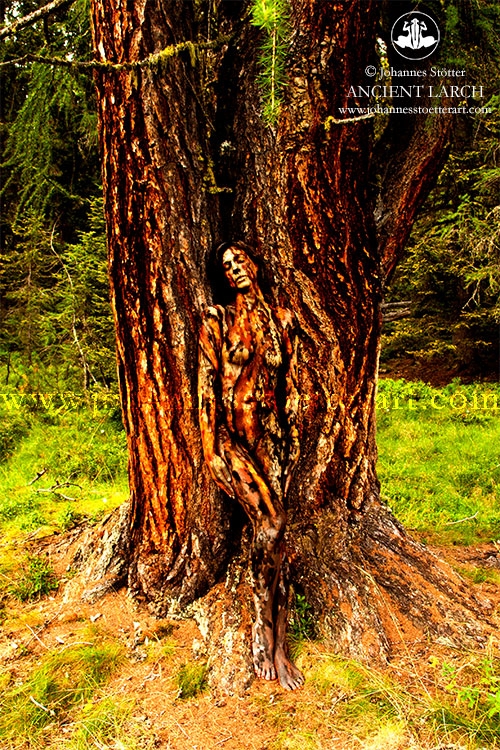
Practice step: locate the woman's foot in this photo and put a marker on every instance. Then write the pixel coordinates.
(289, 676)
(262, 650)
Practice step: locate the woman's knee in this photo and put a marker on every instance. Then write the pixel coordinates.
(271, 529)
(279, 523)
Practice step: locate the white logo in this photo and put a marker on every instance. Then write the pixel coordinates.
(415, 35)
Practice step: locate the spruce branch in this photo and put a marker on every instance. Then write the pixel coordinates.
(85, 365)
(21, 23)
(272, 17)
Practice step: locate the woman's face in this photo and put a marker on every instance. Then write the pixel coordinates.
(240, 270)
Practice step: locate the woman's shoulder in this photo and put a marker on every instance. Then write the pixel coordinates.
(213, 312)
(217, 318)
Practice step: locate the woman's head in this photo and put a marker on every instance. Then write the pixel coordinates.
(239, 268)
(234, 268)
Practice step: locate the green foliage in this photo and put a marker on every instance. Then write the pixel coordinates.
(36, 579)
(101, 721)
(55, 440)
(68, 517)
(191, 679)
(26, 281)
(480, 575)
(451, 272)
(272, 17)
(332, 672)
(50, 159)
(342, 699)
(15, 427)
(438, 458)
(54, 310)
(301, 625)
(36, 149)
(455, 703)
(87, 296)
(57, 325)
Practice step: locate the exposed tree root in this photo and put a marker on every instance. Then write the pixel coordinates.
(374, 587)
(224, 617)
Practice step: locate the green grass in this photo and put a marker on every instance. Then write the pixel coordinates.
(62, 460)
(344, 699)
(191, 679)
(440, 472)
(64, 679)
(35, 579)
(102, 721)
(439, 461)
(474, 705)
(456, 704)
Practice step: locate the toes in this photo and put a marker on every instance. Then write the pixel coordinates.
(290, 682)
(271, 673)
(266, 673)
(290, 677)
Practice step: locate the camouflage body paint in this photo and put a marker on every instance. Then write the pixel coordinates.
(248, 399)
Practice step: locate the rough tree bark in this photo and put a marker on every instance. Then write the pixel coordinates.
(189, 162)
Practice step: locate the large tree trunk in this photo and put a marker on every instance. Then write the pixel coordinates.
(161, 217)
(189, 162)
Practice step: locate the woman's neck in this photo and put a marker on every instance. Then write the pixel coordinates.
(248, 299)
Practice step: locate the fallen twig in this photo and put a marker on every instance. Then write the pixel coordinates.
(226, 739)
(58, 486)
(55, 487)
(49, 710)
(461, 520)
(37, 638)
(38, 475)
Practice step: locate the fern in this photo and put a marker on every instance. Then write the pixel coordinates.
(272, 17)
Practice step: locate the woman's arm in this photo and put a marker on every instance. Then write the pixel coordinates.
(292, 402)
(210, 345)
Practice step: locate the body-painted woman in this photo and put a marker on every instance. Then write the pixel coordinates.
(248, 405)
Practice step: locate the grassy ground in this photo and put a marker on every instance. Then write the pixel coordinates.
(109, 676)
(62, 460)
(439, 462)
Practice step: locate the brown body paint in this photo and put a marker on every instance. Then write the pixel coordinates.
(248, 398)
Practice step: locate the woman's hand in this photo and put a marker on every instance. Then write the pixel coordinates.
(221, 474)
(293, 457)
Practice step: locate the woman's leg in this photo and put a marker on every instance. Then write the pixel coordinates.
(268, 519)
(267, 515)
(289, 676)
(267, 555)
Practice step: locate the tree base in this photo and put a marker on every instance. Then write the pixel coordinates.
(224, 618)
(372, 588)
